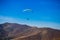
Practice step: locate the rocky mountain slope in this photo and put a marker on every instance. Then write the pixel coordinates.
(14, 31)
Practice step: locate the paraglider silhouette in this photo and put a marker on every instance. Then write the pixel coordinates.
(28, 19)
(27, 13)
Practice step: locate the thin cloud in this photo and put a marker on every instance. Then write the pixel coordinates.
(4, 19)
(7, 19)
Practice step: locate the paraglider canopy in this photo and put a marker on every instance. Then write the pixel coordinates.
(27, 10)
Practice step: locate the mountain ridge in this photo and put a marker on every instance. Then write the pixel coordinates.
(16, 31)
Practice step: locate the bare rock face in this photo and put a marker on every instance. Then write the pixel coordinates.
(14, 31)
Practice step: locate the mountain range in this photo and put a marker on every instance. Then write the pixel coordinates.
(14, 31)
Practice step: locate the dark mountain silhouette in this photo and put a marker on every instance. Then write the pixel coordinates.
(14, 31)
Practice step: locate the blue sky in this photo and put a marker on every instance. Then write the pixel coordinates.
(40, 12)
